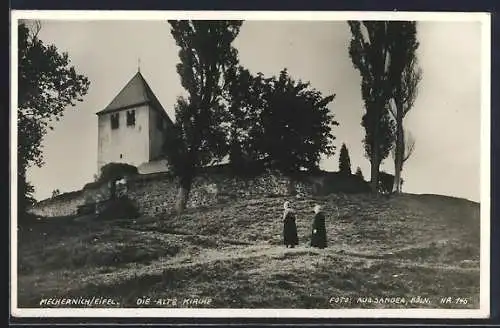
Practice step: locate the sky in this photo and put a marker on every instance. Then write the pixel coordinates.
(445, 119)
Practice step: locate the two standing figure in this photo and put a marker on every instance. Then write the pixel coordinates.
(290, 237)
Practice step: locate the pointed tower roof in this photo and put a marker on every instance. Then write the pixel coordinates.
(135, 93)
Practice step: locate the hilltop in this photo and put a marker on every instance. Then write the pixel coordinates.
(402, 246)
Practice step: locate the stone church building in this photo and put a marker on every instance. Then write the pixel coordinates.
(131, 129)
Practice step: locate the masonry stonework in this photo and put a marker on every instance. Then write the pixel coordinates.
(156, 193)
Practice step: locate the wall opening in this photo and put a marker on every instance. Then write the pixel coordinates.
(131, 118)
(115, 121)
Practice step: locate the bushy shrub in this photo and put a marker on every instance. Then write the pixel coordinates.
(116, 171)
(118, 208)
(325, 183)
(336, 182)
(86, 209)
(386, 182)
(359, 173)
(25, 219)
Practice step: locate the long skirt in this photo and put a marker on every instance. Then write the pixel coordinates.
(318, 237)
(290, 232)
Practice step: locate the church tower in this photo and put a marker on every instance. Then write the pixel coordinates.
(131, 129)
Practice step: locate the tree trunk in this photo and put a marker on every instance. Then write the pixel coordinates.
(400, 149)
(22, 199)
(375, 157)
(183, 195)
(375, 168)
(398, 162)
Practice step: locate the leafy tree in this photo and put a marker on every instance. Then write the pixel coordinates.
(359, 173)
(24, 193)
(55, 193)
(385, 141)
(404, 77)
(344, 160)
(244, 94)
(296, 125)
(47, 85)
(369, 50)
(206, 55)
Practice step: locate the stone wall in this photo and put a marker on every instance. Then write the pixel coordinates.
(208, 188)
(152, 193)
(156, 193)
(68, 203)
(61, 205)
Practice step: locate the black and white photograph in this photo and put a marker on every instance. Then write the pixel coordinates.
(245, 164)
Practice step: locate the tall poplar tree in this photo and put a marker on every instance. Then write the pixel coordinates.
(369, 50)
(199, 137)
(404, 77)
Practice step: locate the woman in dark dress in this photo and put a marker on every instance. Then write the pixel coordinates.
(290, 237)
(318, 237)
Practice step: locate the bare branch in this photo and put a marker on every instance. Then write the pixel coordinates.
(392, 107)
(34, 26)
(409, 146)
(412, 75)
(37, 28)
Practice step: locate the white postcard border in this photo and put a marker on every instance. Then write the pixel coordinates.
(483, 312)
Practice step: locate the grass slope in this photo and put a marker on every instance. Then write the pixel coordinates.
(406, 246)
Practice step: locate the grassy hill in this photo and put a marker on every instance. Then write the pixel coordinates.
(407, 246)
